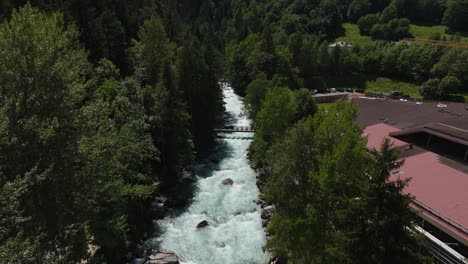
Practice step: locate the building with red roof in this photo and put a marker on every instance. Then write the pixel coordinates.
(433, 141)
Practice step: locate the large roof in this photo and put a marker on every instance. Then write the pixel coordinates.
(439, 184)
(407, 114)
(440, 192)
(447, 132)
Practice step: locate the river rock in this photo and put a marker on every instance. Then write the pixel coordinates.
(261, 174)
(164, 257)
(202, 224)
(264, 223)
(268, 211)
(139, 252)
(158, 209)
(214, 159)
(186, 178)
(220, 244)
(277, 260)
(228, 181)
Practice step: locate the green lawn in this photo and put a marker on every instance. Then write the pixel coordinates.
(353, 35)
(418, 31)
(325, 106)
(385, 85)
(424, 32)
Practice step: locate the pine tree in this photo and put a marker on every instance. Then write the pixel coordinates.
(43, 77)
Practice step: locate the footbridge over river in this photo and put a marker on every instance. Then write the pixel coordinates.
(232, 129)
(233, 132)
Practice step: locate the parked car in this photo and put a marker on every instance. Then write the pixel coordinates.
(315, 91)
(340, 90)
(349, 90)
(360, 90)
(333, 90)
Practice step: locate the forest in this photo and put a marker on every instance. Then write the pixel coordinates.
(105, 104)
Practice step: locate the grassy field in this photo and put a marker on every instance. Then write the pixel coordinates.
(424, 32)
(325, 106)
(418, 31)
(385, 85)
(353, 35)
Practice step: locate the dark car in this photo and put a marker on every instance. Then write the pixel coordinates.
(315, 91)
(360, 90)
(349, 90)
(340, 90)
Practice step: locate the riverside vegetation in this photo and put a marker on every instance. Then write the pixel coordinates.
(104, 105)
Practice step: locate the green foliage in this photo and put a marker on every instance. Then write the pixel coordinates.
(276, 115)
(353, 35)
(389, 13)
(384, 228)
(432, 89)
(153, 52)
(334, 200)
(456, 16)
(165, 110)
(366, 23)
(199, 84)
(306, 105)
(418, 64)
(358, 8)
(117, 153)
(109, 36)
(255, 94)
(82, 150)
(43, 79)
(394, 29)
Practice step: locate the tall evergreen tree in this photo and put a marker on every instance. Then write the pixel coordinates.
(42, 82)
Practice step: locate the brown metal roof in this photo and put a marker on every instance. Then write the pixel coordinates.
(448, 132)
(405, 115)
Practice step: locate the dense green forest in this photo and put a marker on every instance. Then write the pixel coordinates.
(291, 48)
(104, 104)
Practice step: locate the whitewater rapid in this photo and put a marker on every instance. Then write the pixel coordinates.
(235, 234)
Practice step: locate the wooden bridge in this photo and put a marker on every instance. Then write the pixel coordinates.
(235, 129)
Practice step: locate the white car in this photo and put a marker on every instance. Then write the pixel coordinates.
(333, 90)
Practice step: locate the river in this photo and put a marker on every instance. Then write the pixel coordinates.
(235, 234)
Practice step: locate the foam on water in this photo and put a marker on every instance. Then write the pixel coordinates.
(234, 218)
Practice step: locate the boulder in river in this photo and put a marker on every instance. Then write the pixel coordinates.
(277, 260)
(268, 211)
(220, 244)
(214, 159)
(203, 224)
(228, 181)
(139, 252)
(164, 257)
(186, 178)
